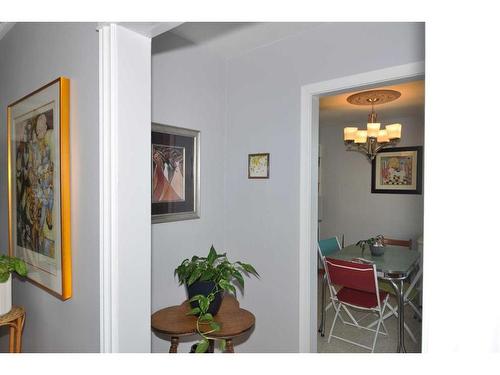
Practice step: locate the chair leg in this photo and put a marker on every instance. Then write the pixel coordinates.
(333, 323)
(415, 309)
(380, 321)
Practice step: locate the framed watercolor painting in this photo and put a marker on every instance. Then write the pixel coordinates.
(258, 166)
(39, 186)
(175, 173)
(398, 170)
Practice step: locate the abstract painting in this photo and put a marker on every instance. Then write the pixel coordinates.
(398, 171)
(174, 173)
(39, 212)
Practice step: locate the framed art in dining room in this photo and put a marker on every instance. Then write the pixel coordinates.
(258, 166)
(398, 170)
(175, 173)
(39, 186)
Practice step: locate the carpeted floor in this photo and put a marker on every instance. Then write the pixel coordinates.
(385, 344)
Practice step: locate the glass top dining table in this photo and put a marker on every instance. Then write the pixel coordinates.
(396, 262)
(395, 265)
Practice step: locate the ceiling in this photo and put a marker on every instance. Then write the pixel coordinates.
(229, 39)
(5, 27)
(336, 110)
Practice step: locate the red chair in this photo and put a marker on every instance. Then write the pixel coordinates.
(359, 290)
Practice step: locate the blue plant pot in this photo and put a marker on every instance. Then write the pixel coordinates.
(205, 288)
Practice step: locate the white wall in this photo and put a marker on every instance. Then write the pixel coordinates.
(263, 99)
(188, 90)
(349, 207)
(32, 55)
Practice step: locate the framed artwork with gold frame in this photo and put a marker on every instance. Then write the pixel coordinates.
(39, 186)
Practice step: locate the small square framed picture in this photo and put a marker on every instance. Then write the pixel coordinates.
(258, 165)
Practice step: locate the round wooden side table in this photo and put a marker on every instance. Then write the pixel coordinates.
(14, 319)
(173, 321)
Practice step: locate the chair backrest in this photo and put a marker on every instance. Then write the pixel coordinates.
(352, 275)
(329, 246)
(403, 243)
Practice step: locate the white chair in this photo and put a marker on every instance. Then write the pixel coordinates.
(359, 291)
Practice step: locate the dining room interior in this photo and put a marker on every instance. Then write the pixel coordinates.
(370, 170)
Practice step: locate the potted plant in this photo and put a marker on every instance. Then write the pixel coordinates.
(376, 245)
(207, 279)
(8, 265)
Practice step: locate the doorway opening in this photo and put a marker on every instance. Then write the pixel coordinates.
(351, 207)
(310, 210)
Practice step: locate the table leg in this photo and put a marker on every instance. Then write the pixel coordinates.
(398, 288)
(174, 342)
(229, 346)
(211, 344)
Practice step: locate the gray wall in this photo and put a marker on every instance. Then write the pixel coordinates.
(188, 90)
(349, 207)
(32, 55)
(263, 98)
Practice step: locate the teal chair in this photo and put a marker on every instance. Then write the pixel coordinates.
(326, 248)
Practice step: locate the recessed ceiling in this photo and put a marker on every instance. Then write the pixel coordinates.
(336, 110)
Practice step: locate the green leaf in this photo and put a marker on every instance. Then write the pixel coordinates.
(212, 255)
(196, 298)
(249, 268)
(194, 276)
(206, 317)
(20, 267)
(194, 311)
(238, 276)
(207, 275)
(222, 345)
(4, 276)
(202, 346)
(215, 326)
(203, 302)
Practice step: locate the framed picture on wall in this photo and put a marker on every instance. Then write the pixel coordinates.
(39, 186)
(398, 170)
(175, 173)
(258, 165)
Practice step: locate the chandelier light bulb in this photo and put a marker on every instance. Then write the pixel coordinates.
(373, 128)
(350, 134)
(361, 136)
(394, 131)
(382, 136)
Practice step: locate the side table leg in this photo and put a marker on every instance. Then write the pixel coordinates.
(19, 333)
(174, 342)
(12, 338)
(229, 346)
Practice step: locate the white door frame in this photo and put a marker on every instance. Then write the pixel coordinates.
(309, 131)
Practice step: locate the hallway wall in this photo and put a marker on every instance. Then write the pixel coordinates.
(31, 55)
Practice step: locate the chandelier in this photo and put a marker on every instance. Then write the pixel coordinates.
(373, 139)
